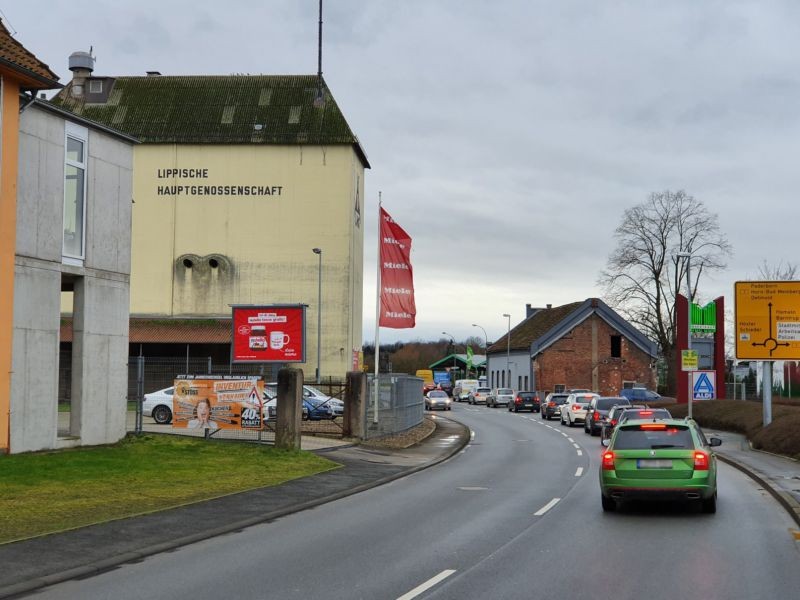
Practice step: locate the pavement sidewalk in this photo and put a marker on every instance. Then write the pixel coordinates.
(31, 564)
(778, 475)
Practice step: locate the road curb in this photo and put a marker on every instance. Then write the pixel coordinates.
(112, 562)
(784, 499)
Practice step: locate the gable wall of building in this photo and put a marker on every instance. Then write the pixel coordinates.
(582, 359)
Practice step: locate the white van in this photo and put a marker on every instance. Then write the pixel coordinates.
(462, 389)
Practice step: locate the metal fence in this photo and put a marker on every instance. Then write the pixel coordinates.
(151, 374)
(401, 405)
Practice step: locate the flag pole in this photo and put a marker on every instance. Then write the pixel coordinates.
(377, 319)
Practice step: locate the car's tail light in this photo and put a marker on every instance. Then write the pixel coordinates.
(613, 421)
(551, 404)
(646, 413)
(650, 426)
(517, 400)
(596, 416)
(700, 461)
(608, 461)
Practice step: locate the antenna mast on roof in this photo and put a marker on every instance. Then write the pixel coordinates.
(319, 101)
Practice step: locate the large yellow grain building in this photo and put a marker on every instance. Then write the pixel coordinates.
(237, 180)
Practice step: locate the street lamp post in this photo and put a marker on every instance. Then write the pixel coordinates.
(453, 340)
(318, 252)
(485, 345)
(508, 348)
(688, 257)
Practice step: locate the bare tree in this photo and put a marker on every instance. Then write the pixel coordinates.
(780, 272)
(644, 273)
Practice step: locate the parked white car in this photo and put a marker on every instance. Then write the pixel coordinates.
(500, 397)
(575, 408)
(158, 405)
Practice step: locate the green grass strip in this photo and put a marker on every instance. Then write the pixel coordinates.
(46, 492)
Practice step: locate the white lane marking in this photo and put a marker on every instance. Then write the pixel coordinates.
(549, 426)
(546, 507)
(579, 472)
(580, 453)
(471, 434)
(576, 445)
(564, 434)
(571, 440)
(427, 585)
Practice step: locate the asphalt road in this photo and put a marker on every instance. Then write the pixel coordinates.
(516, 515)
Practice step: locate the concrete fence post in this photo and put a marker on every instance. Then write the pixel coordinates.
(355, 405)
(290, 409)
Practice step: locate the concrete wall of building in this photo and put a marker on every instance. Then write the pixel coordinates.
(519, 367)
(9, 131)
(582, 359)
(101, 283)
(34, 384)
(198, 247)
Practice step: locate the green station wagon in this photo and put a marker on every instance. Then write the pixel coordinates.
(667, 459)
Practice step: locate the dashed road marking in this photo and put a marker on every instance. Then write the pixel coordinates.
(427, 585)
(579, 472)
(580, 453)
(571, 440)
(546, 507)
(576, 445)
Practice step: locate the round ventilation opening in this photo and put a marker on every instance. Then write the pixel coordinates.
(187, 263)
(213, 262)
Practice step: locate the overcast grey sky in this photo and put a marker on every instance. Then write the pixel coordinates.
(507, 136)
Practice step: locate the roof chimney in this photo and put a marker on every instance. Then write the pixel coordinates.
(549, 306)
(81, 64)
(153, 73)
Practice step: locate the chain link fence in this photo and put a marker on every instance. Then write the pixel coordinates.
(401, 405)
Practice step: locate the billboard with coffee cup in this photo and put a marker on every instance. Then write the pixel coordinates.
(269, 333)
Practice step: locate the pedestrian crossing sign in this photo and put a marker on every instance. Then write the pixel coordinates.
(704, 385)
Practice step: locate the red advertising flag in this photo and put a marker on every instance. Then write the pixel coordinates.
(397, 308)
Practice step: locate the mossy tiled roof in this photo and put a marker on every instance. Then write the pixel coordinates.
(34, 72)
(217, 109)
(534, 327)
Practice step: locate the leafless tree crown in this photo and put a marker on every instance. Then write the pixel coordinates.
(644, 273)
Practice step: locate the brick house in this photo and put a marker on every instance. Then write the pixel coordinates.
(577, 345)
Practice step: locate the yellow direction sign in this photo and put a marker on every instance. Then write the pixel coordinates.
(689, 360)
(767, 320)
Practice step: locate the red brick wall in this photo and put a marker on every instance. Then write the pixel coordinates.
(570, 361)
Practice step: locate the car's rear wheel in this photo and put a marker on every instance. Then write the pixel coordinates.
(609, 504)
(709, 505)
(569, 421)
(162, 414)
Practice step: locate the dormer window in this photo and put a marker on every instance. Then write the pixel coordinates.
(96, 86)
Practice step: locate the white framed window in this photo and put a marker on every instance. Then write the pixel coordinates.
(75, 161)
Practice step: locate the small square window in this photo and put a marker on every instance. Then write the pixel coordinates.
(96, 86)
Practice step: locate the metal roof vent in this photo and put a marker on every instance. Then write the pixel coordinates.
(81, 61)
(81, 64)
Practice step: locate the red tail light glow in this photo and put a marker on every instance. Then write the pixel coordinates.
(551, 404)
(648, 426)
(517, 400)
(608, 461)
(596, 416)
(646, 413)
(700, 461)
(613, 421)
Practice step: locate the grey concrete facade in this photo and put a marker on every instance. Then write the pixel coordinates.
(99, 284)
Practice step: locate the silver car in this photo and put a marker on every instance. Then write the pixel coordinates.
(500, 397)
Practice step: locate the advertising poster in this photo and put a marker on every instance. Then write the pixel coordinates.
(223, 402)
(398, 308)
(269, 333)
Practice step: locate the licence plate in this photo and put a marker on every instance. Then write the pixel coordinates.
(653, 463)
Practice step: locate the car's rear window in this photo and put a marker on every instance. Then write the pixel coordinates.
(607, 403)
(640, 438)
(483, 390)
(644, 413)
(505, 391)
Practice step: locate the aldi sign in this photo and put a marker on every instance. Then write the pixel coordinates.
(704, 385)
